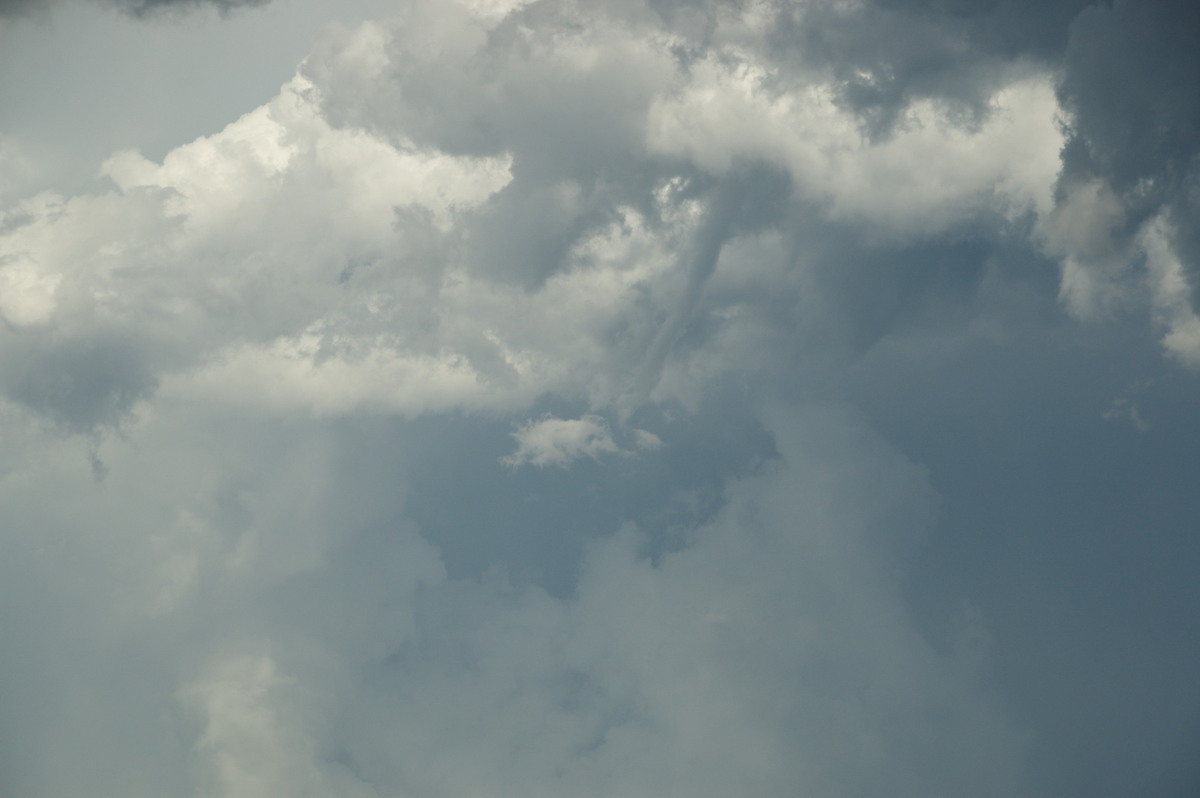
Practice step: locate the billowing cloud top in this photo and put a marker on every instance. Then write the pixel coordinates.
(619, 399)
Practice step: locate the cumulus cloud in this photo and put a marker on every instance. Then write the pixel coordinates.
(556, 441)
(267, 399)
(408, 266)
(927, 175)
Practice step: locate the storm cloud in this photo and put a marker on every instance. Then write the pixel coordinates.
(625, 399)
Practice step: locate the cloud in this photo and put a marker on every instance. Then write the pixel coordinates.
(656, 676)
(497, 273)
(1128, 69)
(822, 251)
(918, 181)
(178, 245)
(285, 631)
(1172, 295)
(15, 8)
(139, 8)
(136, 8)
(556, 441)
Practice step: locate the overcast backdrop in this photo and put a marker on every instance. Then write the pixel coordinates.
(694, 398)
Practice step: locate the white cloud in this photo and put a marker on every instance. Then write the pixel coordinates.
(556, 441)
(223, 182)
(1171, 294)
(934, 170)
(646, 441)
(1082, 232)
(289, 375)
(293, 260)
(26, 295)
(1103, 271)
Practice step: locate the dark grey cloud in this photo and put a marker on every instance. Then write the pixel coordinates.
(11, 8)
(1127, 77)
(1130, 77)
(81, 385)
(1053, 517)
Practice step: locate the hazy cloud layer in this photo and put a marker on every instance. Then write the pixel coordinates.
(138, 8)
(624, 399)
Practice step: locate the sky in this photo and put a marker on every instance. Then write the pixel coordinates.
(695, 398)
